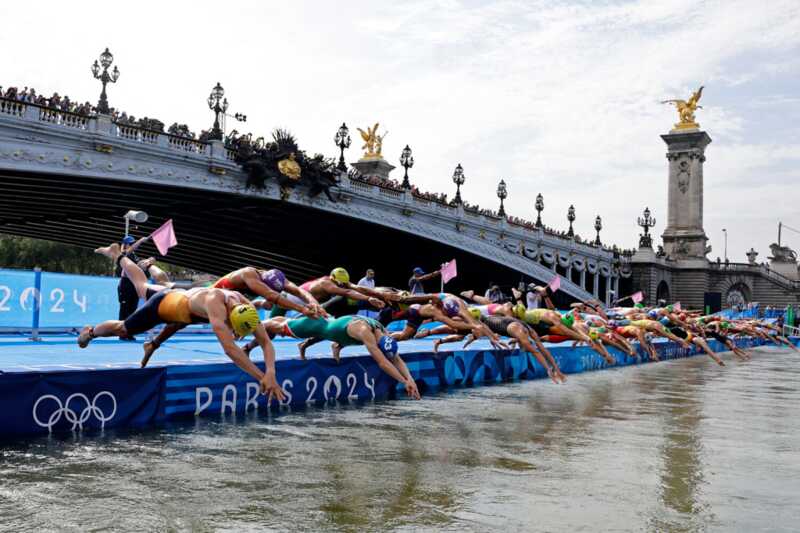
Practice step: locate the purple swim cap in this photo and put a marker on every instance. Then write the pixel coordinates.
(451, 307)
(274, 279)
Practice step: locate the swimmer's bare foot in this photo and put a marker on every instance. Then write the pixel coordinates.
(336, 351)
(421, 334)
(86, 336)
(436, 344)
(468, 294)
(561, 376)
(302, 347)
(111, 251)
(552, 375)
(149, 348)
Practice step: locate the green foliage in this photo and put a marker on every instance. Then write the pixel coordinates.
(27, 253)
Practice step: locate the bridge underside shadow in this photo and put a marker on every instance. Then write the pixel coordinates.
(219, 232)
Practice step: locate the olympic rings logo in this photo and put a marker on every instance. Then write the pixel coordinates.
(72, 416)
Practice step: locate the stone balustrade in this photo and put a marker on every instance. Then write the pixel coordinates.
(211, 165)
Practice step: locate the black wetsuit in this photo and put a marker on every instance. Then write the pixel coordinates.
(500, 324)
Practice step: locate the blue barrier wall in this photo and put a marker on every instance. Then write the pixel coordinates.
(61, 301)
(42, 402)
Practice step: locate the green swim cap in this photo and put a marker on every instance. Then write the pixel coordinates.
(670, 308)
(568, 320)
(639, 306)
(724, 324)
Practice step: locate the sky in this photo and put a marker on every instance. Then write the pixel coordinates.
(556, 97)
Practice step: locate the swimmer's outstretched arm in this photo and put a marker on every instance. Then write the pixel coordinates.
(360, 331)
(254, 283)
(411, 385)
(306, 296)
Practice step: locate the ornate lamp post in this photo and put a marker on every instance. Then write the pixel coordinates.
(458, 179)
(106, 58)
(598, 225)
(502, 193)
(342, 140)
(539, 208)
(571, 218)
(219, 106)
(407, 161)
(645, 239)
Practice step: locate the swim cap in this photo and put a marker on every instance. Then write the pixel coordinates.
(244, 319)
(451, 307)
(274, 279)
(601, 329)
(413, 311)
(388, 346)
(593, 334)
(652, 314)
(640, 305)
(519, 310)
(127, 239)
(670, 308)
(724, 324)
(418, 271)
(613, 324)
(475, 312)
(568, 320)
(341, 275)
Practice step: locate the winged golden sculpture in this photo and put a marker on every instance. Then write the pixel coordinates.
(686, 110)
(373, 143)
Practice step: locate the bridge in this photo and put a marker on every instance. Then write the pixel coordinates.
(68, 178)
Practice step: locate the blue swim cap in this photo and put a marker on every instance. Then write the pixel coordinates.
(652, 314)
(451, 307)
(418, 271)
(388, 346)
(128, 240)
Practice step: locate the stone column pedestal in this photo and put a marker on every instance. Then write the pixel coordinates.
(374, 167)
(684, 236)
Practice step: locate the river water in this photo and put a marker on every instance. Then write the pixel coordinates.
(674, 446)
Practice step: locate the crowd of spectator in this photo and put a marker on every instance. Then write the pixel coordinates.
(56, 101)
(441, 198)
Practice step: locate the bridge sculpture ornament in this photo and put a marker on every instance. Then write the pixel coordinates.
(782, 254)
(686, 109)
(35, 139)
(373, 143)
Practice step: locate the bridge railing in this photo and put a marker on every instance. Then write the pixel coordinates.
(49, 115)
(756, 269)
(159, 138)
(12, 107)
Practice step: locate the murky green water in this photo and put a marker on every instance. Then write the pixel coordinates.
(678, 446)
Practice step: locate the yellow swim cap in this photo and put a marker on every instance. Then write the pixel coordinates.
(519, 310)
(244, 319)
(341, 275)
(475, 312)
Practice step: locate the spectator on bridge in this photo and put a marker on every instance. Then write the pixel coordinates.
(415, 284)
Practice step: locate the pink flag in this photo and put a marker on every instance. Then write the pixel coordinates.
(164, 237)
(637, 297)
(449, 271)
(555, 284)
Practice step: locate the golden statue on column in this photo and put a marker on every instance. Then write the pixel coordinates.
(686, 110)
(373, 143)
